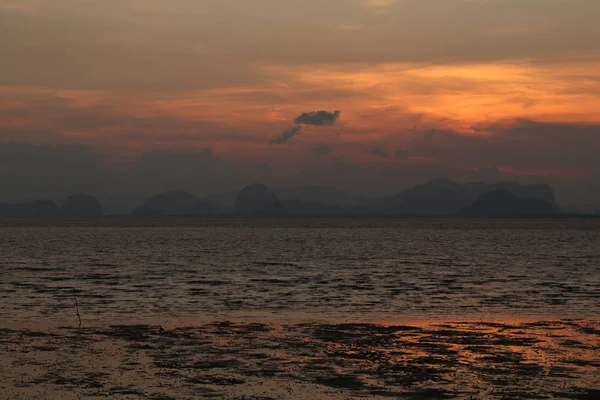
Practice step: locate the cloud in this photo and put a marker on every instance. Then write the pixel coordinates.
(430, 135)
(380, 7)
(200, 171)
(29, 171)
(286, 135)
(321, 149)
(114, 120)
(179, 163)
(518, 149)
(318, 118)
(379, 152)
(377, 3)
(263, 169)
(521, 144)
(485, 174)
(161, 51)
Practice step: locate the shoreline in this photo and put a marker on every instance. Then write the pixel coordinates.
(127, 221)
(235, 360)
(297, 319)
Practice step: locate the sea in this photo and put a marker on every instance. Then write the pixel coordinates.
(182, 272)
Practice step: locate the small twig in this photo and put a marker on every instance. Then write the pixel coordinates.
(77, 308)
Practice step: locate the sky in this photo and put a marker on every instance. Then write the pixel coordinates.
(368, 95)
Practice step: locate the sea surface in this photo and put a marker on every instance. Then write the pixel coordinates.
(345, 270)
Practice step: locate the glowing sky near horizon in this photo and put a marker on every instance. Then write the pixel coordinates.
(232, 75)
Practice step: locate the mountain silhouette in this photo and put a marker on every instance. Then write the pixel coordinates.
(175, 203)
(146, 212)
(542, 192)
(317, 194)
(439, 196)
(254, 198)
(81, 206)
(433, 198)
(301, 208)
(446, 197)
(223, 201)
(502, 203)
(40, 209)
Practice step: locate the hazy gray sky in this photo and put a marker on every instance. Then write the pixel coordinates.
(434, 85)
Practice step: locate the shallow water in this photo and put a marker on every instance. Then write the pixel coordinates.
(289, 296)
(299, 270)
(254, 361)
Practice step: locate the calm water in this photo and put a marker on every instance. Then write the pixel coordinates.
(337, 270)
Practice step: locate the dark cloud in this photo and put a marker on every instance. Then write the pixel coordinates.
(202, 173)
(48, 117)
(488, 174)
(183, 164)
(521, 144)
(430, 135)
(286, 135)
(263, 168)
(379, 152)
(318, 118)
(29, 172)
(321, 149)
(35, 157)
(101, 58)
(522, 149)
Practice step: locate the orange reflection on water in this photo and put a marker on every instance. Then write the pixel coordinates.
(293, 360)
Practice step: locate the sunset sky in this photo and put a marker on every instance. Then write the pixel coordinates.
(468, 86)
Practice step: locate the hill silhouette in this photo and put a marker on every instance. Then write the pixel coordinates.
(175, 203)
(81, 206)
(438, 197)
(254, 198)
(40, 209)
(501, 203)
(446, 197)
(301, 208)
(317, 194)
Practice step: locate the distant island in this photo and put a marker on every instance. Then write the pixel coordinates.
(502, 203)
(174, 203)
(436, 198)
(76, 206)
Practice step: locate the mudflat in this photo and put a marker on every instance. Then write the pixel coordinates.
(322, 309)
(557, 359)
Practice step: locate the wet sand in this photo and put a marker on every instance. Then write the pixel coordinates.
(557, 359)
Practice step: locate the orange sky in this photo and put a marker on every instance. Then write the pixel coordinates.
(130, 75)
